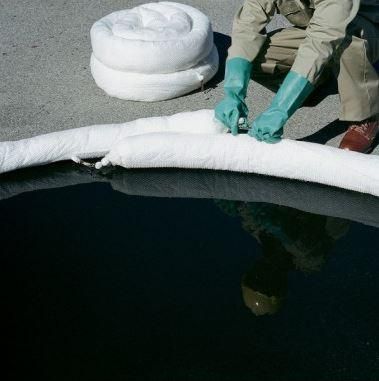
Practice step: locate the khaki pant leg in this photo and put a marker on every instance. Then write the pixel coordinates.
(358, 81)
(277, 57)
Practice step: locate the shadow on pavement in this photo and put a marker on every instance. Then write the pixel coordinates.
(327, 88)
(331, 131)
(327, 133)
(222, 42)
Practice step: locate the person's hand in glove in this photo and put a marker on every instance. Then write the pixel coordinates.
(268, 126)
(233, 106)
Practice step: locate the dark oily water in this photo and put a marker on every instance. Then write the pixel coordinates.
(175, 275)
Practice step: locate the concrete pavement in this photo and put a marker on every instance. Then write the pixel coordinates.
(46, 84)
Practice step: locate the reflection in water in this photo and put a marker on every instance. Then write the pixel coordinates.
(192, 184)
(136, 286)
(290, 240)
(285, 217)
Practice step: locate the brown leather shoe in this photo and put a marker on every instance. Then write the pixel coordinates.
(360, 136)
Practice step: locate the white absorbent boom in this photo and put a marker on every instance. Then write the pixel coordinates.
(195, 140)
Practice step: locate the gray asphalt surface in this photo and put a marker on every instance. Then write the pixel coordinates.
(46, 84)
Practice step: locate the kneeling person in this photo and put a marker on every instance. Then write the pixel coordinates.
(338, 34)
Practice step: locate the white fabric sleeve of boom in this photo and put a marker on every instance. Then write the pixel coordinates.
(161, 37)
(96, 141)
(153, 52)
(289, 159)
(195, 140)
(154, 87)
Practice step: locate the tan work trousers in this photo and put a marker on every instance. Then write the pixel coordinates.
(352, 64)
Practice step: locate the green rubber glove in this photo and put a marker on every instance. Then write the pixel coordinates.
(268, 126)
(233, 106)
